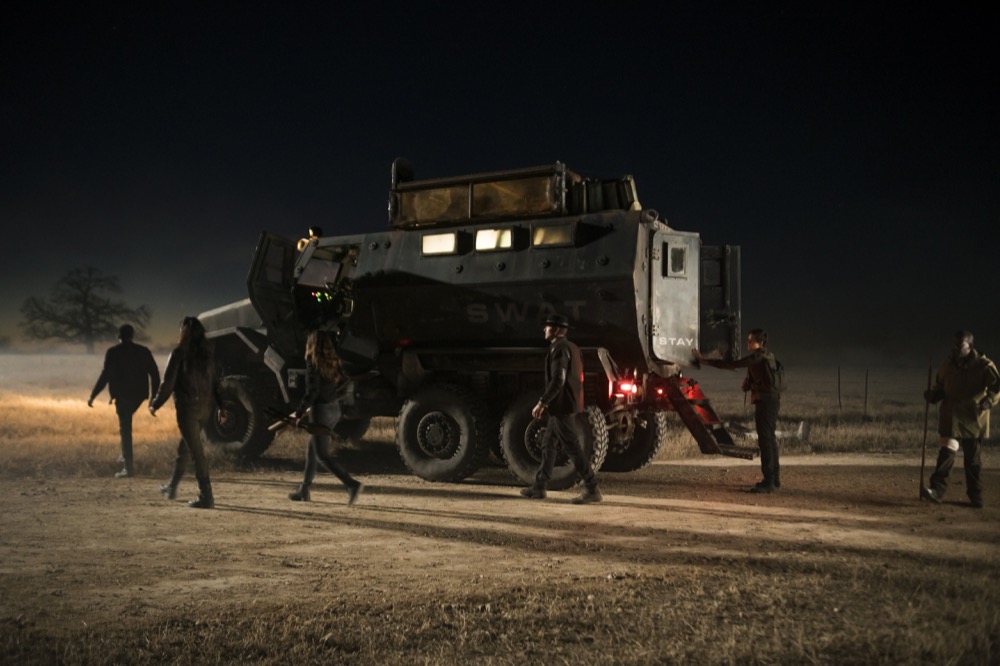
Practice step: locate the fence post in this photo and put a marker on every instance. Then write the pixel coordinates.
(840, 405)
(866, 393)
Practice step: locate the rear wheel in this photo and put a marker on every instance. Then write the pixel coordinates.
(244, 431)
(442, 433)
(635, 441)
(521, 444)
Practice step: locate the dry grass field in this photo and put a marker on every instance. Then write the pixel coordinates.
(843, 566)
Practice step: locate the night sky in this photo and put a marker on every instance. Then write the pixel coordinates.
(852, 153)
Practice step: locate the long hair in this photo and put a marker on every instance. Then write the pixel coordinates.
(322, 354)
(196, 350)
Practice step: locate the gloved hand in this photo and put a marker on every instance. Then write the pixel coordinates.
(985, 405)
(929, 396)
(746, 384)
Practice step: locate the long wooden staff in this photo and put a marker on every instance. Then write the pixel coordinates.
(923, 449)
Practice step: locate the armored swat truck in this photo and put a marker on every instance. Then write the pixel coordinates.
(439, 322)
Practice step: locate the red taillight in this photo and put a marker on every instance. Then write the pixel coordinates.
(628, 387)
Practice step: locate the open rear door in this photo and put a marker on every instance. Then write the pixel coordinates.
(720, 301)
(270, 286)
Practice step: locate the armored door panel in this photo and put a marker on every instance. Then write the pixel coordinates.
(270, 286)
(720, 301)
(673, 295)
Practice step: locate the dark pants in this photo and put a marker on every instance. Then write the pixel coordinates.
(972, 450)
(766, 419)
(564, 431)
(190, 420)
(328, 415)
(125, 411)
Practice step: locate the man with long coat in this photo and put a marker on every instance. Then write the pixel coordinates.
(967, 386)
(562, 403)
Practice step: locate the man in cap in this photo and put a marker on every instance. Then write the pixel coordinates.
(967, 386)
(562, 401)
(129, 371)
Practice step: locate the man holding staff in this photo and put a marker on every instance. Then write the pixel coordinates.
(967, 386)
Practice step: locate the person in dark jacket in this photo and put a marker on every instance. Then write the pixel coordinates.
(967, 386)
(761, 368)
(190, 378)
(562, 401)
(321, 406)
(129, 372)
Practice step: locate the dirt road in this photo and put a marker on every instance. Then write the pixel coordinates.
(843, 565)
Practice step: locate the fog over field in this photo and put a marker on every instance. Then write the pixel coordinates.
(848, 409)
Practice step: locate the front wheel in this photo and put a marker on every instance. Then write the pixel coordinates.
(521, 443)
(442, 433)
(244, 431)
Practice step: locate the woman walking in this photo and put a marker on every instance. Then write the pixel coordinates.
(321, 404)
(190, 377)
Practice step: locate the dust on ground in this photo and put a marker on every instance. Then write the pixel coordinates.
(677, 563)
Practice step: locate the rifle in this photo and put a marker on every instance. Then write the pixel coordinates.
(282, 420)
(923, 448)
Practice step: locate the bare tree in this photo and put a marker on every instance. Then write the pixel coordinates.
(81, 308)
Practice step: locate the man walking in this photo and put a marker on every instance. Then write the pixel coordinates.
(765, 394)
(129, 373)
(967, 386)
(563, 402)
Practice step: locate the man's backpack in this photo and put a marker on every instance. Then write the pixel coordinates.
(777, 374)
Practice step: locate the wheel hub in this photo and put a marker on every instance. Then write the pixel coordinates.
(438, 435)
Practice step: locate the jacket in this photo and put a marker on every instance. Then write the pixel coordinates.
(760, 365)
(960, 386)
(319, 389)
(563, 379)
(190, 389)
(129, 371)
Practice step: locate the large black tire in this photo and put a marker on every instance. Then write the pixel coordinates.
(649, 431)
(442, 433)
(521, 444)
(245, 432)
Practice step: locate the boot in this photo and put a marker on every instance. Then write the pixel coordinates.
(533, 492)
(205, 499)
(300, 495)
(589, 496)
(169, 489)
(353, 491)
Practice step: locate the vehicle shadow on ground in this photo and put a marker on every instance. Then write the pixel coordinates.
(375, 459)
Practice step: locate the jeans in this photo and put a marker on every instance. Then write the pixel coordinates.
(190, 420)
(766, 419)
(326, 414)
(972, 451)
(125, 411)
(564, 430)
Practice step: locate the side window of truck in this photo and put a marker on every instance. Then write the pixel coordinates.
(676, 260)
(433, 244)
(552, 235)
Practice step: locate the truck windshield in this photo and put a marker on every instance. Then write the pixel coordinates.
(319, 273)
